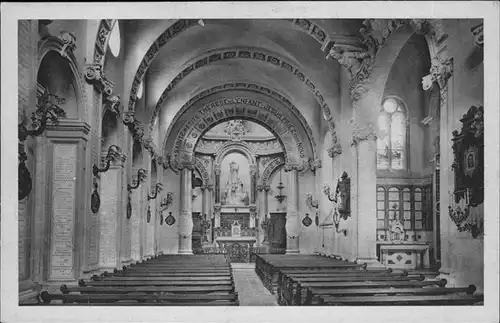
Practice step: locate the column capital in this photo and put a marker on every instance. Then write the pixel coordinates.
(94, 75)
(69, 43)
(440, 71)
(361, 133)
(217, 169)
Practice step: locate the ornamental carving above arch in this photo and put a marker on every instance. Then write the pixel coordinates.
(249, 87)
(224, 109)
(101, 43)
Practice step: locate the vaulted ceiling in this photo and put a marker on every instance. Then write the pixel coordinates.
(280, 55)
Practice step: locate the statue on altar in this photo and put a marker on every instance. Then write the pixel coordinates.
(234, 193)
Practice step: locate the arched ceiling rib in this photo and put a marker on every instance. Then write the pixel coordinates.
(278, 73)
(284, 55)
(248, 88)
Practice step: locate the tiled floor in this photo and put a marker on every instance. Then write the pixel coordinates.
(250, 289)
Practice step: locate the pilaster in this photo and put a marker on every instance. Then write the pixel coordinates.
(292, 216)
(364, 139)
(185, 227)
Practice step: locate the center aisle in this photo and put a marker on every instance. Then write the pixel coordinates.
(251, 291)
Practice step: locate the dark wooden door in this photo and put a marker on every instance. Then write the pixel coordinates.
(197, 233)
(277, 233)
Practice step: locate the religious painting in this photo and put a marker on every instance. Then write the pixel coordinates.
(235, 176)
(468, 148)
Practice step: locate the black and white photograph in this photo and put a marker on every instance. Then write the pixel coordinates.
(227, 160)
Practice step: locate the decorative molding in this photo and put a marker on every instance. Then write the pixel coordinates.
(94, 75)
(334, 150)
(358, 59)
(103, 33)
(249, 87)
(181, 25)
(266, 174)
(228, 108)
(229, 147)
(314, 164)
(269, 147)
(199, 165)
(114, 104)
(440, 71)
(477, 32)
(359, 134)
(69, 43)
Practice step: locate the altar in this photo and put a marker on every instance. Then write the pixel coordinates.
(237, 247)
(405, 255)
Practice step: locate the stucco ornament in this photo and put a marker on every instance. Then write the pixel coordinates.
(361, 133)
(440, 71)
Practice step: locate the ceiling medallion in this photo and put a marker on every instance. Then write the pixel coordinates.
(170, 220)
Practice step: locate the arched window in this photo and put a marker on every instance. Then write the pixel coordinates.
(114, 40)
(391, 141)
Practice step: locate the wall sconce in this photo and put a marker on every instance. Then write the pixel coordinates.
(141, 177)
(47, 110)
(280, 197)
(336, 221)
(114, 152)
(158, 188)
(328, 193)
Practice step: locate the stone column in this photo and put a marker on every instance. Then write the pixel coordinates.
(292, 215)
(185, 219)
(110, 216)
(364, 139)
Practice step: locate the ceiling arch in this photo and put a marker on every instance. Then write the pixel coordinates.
(180, 143)
(254, 54)
(251, 87)
(312, 28)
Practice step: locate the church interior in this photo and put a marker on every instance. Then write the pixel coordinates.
(238, 162)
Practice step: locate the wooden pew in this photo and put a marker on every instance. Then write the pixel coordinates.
(302, 287)
(172, 280)
(405, 300)
(313, 293)
(47, 298)
(286, 286)
(291, 292)
(147, 289)
(269, 266)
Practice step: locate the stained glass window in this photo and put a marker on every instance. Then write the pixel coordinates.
(391, 141)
